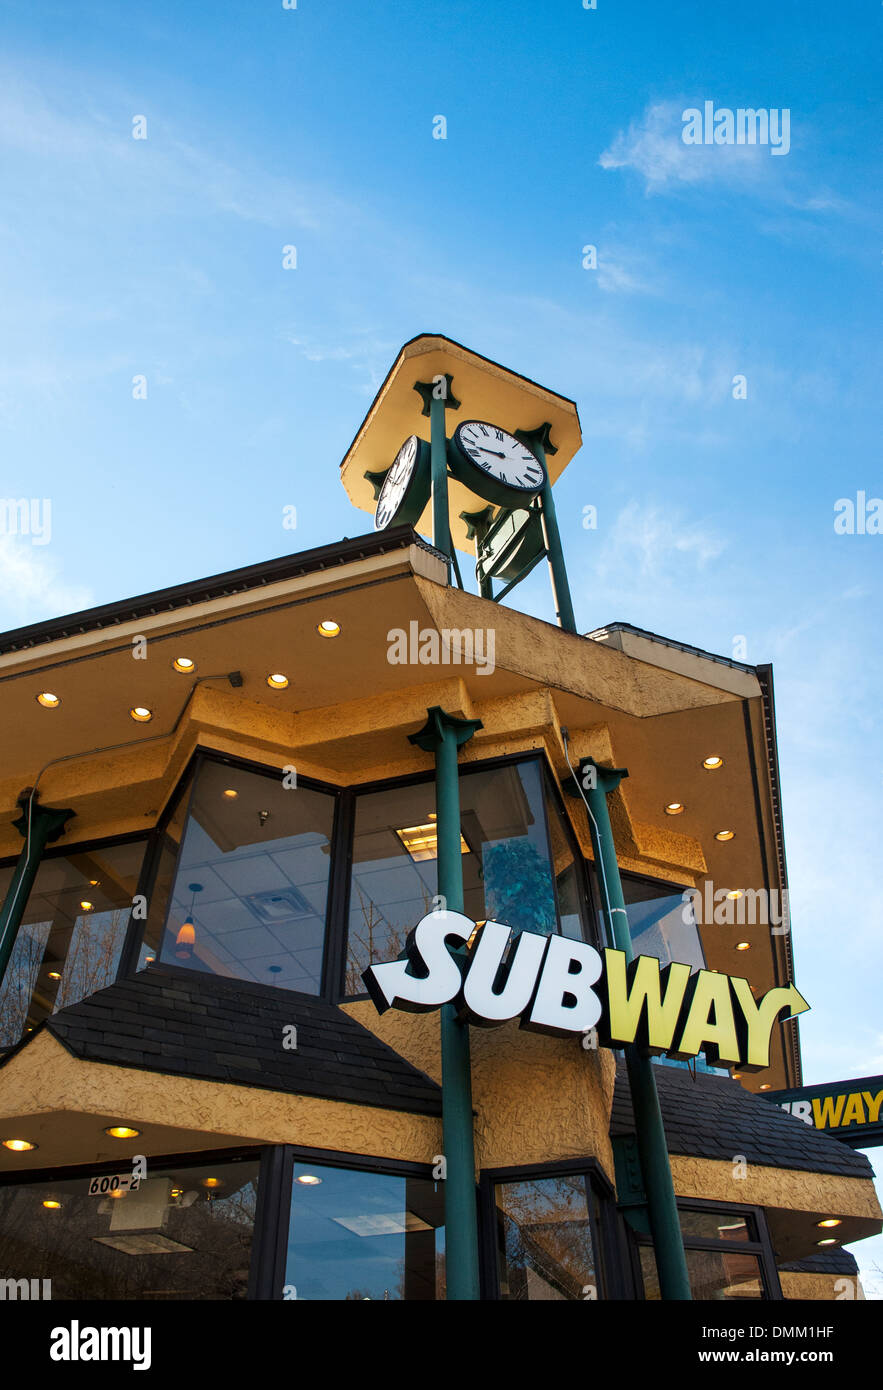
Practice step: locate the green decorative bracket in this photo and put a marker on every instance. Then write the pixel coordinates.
(541, 436)
(376, 480)
(427, 392)
(631, 1199)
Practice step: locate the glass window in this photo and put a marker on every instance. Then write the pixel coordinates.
(251, 885)
(509, 873)
(547, 1243)
(356, 1235)
(661, 923)
(72, 933)
(168, 847)
(185, 1232)
(714, 1274)
(717, 1270)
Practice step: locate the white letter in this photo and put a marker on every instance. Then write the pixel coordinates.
(560, 982)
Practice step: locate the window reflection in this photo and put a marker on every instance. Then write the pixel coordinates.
(508, 870)
(545, 1241)
(251, 886)
(356, 1236)
(185, 1232)
(71, 936)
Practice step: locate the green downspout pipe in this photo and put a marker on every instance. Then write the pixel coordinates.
(662, 1210)
(442, 735)
(39, 825)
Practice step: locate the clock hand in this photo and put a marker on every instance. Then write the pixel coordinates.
(495, 452)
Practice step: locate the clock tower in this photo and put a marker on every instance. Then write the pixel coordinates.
(465, 450)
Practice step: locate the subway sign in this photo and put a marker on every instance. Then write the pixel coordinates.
(847, 1110)
(558, 986)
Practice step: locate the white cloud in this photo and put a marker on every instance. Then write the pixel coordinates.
(653, 544)
(31, 587)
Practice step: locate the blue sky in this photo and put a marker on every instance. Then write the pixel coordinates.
(312, 127)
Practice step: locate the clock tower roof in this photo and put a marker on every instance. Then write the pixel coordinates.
(484, 390)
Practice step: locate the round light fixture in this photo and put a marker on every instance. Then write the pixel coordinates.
(735, 893)
(55, 974)
(725, 835)
(86, 905)
(19, 1146)
(184, 664)
(830, 1221)
(328, 629)
(93, 882)
(674, 808)
(51, 1205)
(231, 794)
(122, 1132)
(713, 763)
(309, 1179)
(743, 945)
(48, 700)
(276, 681)
(141, 714)
(148, 960)
(829, 1240)
(213, 1182)
(765, 1086)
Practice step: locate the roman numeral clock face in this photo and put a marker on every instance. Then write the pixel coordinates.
(496, 465)
(406, 487)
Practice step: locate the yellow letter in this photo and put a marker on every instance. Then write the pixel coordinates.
(718, 1040)
(759, 1018)
(636, 1009)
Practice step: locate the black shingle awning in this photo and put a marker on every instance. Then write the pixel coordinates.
(227, 1030)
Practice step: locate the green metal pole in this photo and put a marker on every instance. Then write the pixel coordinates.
(441, 526)
(437, 397)
(662, 1210)
(442, 735)
(539, 442)
(39, 825)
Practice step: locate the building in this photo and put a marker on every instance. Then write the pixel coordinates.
(215, 817)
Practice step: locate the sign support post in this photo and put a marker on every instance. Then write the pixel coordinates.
(39, 825)
(442, 735)
(665, 1229)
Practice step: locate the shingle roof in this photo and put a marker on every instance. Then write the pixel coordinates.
(218, 1030)
(714, 1117)
(828, 1262)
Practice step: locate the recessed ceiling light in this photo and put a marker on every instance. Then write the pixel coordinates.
(829, 1240)
(713, 763)
(737, 1076)
(51, 1204)
(765, 1086)
(213, 1182)
(231, 794)
(184, 664)
(48, 700)
(328, 629)
(674, 808)
(122, 1132)
(309, 1179)
(93, 882)
(55, 974)
(86, 905)
(141, 714)
(725, 835)
(735, 893)
(830, 1221)
(743, 945)
(277, 681)
(19, 1146)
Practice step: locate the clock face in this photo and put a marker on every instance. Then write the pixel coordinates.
(501, 457)
(398, 499)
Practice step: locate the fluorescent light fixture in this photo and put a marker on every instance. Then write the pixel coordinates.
(421, 841)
